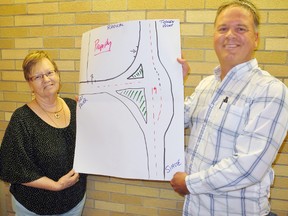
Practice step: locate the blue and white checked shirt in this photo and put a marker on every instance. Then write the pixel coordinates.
(234, 141)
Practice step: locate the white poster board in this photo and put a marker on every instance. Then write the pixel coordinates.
(130, 108)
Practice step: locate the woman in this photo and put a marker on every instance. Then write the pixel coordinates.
(37, 152)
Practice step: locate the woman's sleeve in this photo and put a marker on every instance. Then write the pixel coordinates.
(16, 152)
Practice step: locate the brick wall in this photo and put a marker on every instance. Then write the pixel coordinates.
(57, 25)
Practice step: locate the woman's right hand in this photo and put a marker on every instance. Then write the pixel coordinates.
(68, 180)
(46, 183)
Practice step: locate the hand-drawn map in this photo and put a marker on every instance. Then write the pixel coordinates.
(130, 107)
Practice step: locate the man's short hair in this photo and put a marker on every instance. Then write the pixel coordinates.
(244, 4)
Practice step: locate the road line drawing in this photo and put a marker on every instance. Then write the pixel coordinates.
(146, 91)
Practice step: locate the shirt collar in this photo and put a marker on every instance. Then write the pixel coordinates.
(238, 71)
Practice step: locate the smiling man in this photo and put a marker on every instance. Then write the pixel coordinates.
(238, 119)
(235, 36)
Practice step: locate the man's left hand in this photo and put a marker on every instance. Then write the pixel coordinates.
(178, 183)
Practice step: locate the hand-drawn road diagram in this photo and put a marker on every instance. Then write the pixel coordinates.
(130, 107)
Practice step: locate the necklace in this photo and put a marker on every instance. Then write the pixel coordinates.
(56, 114)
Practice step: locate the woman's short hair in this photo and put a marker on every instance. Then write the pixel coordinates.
(32, 59)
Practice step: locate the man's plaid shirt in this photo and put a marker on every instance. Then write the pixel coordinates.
(237, 128)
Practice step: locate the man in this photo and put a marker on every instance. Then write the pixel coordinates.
(238, 119)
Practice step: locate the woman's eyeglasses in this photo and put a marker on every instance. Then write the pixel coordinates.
(40, 77)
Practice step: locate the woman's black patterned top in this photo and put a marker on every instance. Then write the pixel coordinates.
(31, 149)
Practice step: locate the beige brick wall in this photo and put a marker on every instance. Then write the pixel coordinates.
(57, 25)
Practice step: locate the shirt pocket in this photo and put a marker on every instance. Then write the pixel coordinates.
(228, 121)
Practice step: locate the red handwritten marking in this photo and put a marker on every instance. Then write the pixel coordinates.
(154, 90)
(102, 47)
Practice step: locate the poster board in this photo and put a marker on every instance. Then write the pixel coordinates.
(130, 107)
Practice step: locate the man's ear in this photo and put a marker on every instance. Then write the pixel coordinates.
(256, 40)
